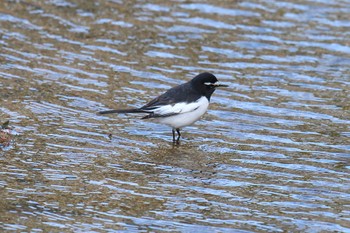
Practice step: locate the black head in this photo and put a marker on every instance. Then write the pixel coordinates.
(205, 83)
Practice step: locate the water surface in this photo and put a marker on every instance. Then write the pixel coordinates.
(271, 155)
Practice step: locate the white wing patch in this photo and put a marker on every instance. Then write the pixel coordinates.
(180, 107)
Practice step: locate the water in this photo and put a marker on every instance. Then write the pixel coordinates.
(271, 155)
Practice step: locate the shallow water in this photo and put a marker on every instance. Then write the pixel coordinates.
(271, 155)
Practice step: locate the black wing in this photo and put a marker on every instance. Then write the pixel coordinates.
(181, 93)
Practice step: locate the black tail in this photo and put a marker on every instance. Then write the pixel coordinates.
(123, 111)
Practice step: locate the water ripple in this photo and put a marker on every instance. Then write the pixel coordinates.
(271, 154)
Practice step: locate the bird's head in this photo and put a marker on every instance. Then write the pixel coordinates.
(206, 84)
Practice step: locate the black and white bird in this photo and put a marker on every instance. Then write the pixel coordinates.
(180, 106)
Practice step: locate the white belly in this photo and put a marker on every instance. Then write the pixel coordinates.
(187, 118)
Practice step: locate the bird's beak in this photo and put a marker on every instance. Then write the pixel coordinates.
(217, 84)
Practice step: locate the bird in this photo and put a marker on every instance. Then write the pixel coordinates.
(179, 106)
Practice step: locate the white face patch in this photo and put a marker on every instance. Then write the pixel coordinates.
(209, 83)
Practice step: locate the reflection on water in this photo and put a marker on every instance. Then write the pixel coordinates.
(271, 154)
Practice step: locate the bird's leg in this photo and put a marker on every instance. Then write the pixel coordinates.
(173, 135)
(179, 135)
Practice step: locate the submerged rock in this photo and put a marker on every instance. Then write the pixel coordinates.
(5, 134)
